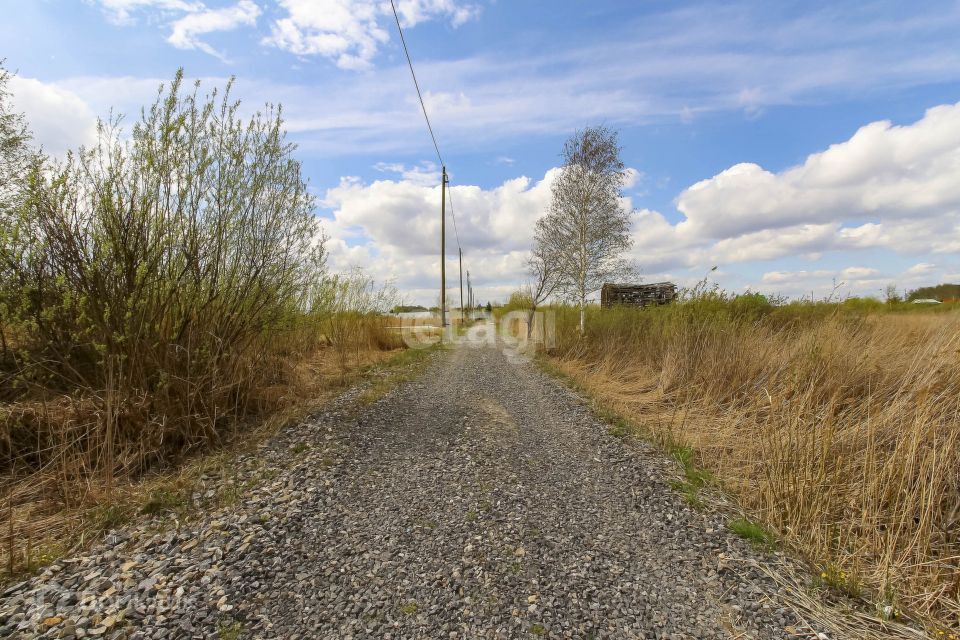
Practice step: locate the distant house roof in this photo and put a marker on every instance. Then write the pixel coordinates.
(926, 301)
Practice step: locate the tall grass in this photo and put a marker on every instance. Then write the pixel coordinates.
(837, 425)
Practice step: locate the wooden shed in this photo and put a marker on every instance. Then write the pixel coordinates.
(637, 295)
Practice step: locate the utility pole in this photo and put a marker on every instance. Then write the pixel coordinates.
(443, 252)
(462, 317)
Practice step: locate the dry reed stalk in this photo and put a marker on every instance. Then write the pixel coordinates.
(91, 454)
(842, 435)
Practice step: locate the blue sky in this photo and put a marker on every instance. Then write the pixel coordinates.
(796, 145)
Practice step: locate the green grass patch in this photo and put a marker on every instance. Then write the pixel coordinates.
(620, 428)
(110, 516)
(43, 555)
(410, 608)
(230, 495)
(161, 501)
(229, 631)
(538, 630)
(752, 531)
(299, 448)
(695, 478)
(403, 367)
(689, 492)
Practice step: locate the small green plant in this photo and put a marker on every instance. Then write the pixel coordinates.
(887, 611)
(229, 631)
(299, 448)
(887, 606)
(230, 495)
(375, 391)
(749, 530)
(538, 630)
(45, 554)
(471, 515)
(690, 492)
(110, 516)
(683, 455)
(162, 501)
(620, 428)
(838, 579)
(410, 608)
(268, 474)
(695, 478)
(402, 367)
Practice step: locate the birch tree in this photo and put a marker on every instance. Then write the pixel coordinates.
(587, 229)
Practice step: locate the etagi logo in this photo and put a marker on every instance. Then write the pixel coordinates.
(517, 332)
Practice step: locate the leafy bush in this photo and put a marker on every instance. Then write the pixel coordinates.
(155, 272)
(157, 291)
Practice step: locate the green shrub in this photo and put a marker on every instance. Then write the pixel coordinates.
(156, 271)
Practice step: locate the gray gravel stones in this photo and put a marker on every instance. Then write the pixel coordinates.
(482, 500)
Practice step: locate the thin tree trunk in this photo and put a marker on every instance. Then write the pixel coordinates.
(110, 397)
(581, 316)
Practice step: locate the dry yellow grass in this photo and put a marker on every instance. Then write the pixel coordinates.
(839, 431)
(64, 499)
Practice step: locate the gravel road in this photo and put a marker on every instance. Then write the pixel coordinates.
(480, 500)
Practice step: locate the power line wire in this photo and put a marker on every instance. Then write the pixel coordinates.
(423, 106)
(453, 216)
(415, 83)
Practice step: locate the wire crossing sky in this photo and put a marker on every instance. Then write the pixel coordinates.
(794, 145)
(426, 117)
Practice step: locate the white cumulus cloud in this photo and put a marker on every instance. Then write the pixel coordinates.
(188, 20)
(392, 228)
(889, 187)
(883, 173)
(59, 118)
(185, 32)
(859, 273)
(350, 32)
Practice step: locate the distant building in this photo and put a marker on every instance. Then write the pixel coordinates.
(637, 295)
(926, 301)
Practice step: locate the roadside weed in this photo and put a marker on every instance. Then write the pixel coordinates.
(749, 530)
